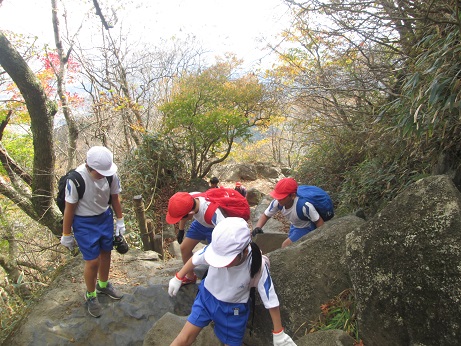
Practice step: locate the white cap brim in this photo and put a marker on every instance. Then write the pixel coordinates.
(107, 173)
(216, 260)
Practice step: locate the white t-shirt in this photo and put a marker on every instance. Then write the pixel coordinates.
(96, 197)
(291, 215)
(232, 285)
(200, 215)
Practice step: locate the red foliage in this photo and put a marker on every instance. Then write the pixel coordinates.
(51, 61)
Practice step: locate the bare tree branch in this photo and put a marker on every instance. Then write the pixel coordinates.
(99, 13)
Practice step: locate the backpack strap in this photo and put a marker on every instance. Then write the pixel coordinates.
(78, 181)
(253, 306)
(210, 212)
(109, 180)
(300, 208)
(254, 281)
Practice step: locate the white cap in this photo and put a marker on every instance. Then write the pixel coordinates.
(229, 238)
(100, 159)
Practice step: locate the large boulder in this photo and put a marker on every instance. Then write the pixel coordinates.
(308, 274)
(254, 196)
(245, 171)
(268, 171)
(165, 330)
(234, 172)
(405, 266)
(269, 242)
(195, 185)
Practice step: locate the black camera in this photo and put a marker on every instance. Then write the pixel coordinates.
(120, 244)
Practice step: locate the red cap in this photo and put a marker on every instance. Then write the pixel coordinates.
(284, 187)
(179, 205)
(238, 183)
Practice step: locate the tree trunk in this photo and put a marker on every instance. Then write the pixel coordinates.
(41, 111)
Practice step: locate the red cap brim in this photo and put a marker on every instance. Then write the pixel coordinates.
(172, 220)
(276, 195)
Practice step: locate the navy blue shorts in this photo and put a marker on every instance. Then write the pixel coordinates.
(230, 319)
(94, 233)
(295, 233)
(199, 232)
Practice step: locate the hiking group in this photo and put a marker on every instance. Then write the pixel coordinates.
(89, 196)
(219, 217)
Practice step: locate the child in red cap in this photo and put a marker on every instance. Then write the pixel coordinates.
(240, 188)
(182, 207)
(285, 200)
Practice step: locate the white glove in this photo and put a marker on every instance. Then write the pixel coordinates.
(120, 227)
(174, 285)
(282, 339)
(68, 241)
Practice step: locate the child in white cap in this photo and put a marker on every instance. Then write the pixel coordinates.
(91, 220)
(224, 294)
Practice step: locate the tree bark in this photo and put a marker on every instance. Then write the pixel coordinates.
(41, 111)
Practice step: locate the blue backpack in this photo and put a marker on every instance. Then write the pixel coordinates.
(318, 198)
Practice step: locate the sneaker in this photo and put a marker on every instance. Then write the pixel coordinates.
(187, 281)
(94, 308)
(109, 290)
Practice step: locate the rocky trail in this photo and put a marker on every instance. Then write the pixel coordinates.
(60, 317)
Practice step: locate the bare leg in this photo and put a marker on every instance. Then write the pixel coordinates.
(104, 265)
(187, 246)
(286, 243)
(90, 273)
(187, 335)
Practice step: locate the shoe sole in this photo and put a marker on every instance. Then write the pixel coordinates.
(107, 294)
(95, 316)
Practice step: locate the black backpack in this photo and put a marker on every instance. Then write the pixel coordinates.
(77, 179)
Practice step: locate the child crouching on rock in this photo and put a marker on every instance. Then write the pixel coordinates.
(224, 294)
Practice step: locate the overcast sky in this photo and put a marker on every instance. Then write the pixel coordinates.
(240, 26)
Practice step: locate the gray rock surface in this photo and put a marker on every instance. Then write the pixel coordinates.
(169, 327)
(254, 196)
(269, 242)
(405, 265)
(308, 274)
(237, 171)
(60, 316)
